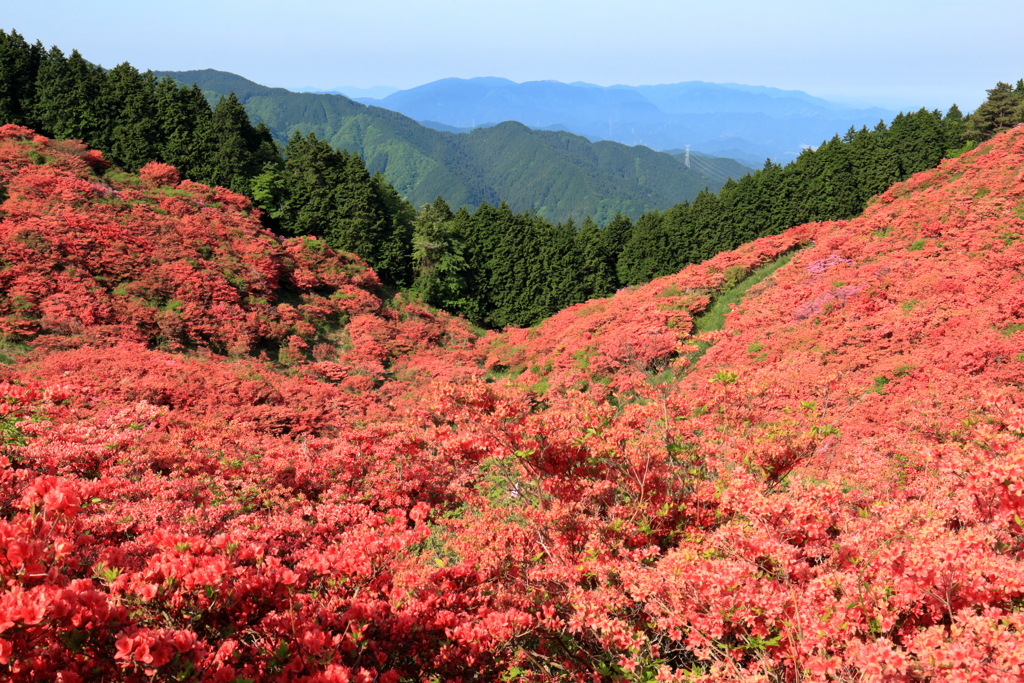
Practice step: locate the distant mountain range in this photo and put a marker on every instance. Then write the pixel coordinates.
(557, 174)
(350, 91)
(749, 123)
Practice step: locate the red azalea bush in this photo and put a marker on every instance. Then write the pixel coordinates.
(224, 458)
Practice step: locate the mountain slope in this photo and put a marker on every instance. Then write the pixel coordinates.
(755, 122)
(559, 175)
(826, 483)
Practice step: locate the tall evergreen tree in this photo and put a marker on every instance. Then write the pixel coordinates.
(1003, 109)
(518, 272)
(597, 276)
(442, 273)
(394, 261)
(566, 279)
(133, 132)
(19, 67)
(68, 98)
(918, 140)
(239, 151)
(613, 239)
(184, 120)
(311, 171)
(874, 166)
(650, 252)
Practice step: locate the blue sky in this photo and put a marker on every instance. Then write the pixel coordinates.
(896, 53)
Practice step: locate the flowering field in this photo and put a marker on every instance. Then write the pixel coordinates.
(226, 458)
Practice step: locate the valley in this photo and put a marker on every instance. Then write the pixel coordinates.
(270, 415)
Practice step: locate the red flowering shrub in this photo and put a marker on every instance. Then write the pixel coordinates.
(160, 174)
(222, 457)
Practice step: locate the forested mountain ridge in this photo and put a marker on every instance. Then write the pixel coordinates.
(495, 266)
(225, 457)
(558, 175)
(755, 122)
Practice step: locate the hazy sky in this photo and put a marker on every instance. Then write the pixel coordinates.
(901, 53)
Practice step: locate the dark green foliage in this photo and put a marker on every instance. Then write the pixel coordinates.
(597, 259)
(442, 272)
(565, 273)
(239, 151)
(394, 255)
(519, 271)
(68, 100)
(19, 64)
(650, 251)
(129, 115)
(329, 194)
(134, 130)
(918, 140)
(1003, 109)
(184, 120)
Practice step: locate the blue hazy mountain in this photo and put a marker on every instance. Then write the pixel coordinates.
(556, 173)
(720, 119)
(350, 91)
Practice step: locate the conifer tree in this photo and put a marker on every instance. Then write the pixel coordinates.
(597, 277)
(518, 272)
(132, 131)
(439, 261)
(394, 262)
(68, 96)
(360, 224)
(650, 251)
(19, 66)
(239, 151)
(566, 278)
(953, 126)
(1003, 109)
(613, 239)
(304, 201)
(918, 140)
(874, 166)
(184, 120)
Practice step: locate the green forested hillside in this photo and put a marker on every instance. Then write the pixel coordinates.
(557, 174)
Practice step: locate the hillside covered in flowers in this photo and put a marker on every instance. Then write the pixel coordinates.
(229, 457)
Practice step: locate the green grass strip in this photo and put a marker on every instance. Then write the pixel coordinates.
(714, 317)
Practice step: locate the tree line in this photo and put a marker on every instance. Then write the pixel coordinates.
(498, 268)
(492, 265)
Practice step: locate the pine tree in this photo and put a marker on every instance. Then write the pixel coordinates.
(614, 237)
(184, 120)
(134, 137)
(360, 222)
(68, 96)
(310, 173)
(518, 272)
(597, 277)
(565, 276)
(394, 262)
(1003, 109)
(442, 274)
(650, 252)
(918, 140)
(953, 127)
(874, 166)
(239, 151)
(19, 67)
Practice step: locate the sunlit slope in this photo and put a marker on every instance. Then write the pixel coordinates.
(225, 457)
